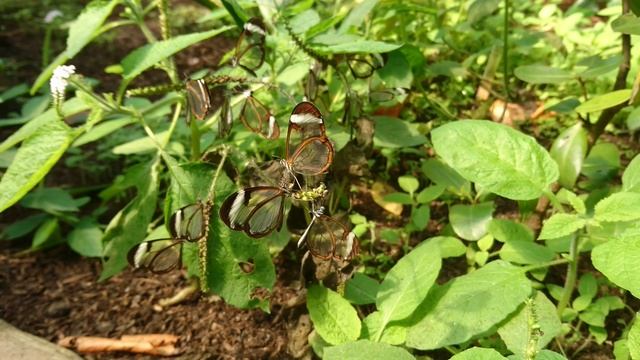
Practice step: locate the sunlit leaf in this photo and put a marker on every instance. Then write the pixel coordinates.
(333, 317)
(615, 258)
(366, 350)
(569, 151)
(540, 74)
(604, 101)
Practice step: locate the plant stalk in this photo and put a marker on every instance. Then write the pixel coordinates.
(572, 275)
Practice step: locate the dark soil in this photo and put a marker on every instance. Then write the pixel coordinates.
(55, 293)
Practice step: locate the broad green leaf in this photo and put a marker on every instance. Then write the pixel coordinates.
(360, 46)
(14, 92)
(604, 101)
(366, 350)
(549, 355)
(429, 194)
(602, 163)
(23, 226)
(396, 72)
(189, 183)
(480, 9)
(443, 175)
(356, 16)
(540, 74)
(293, 74)
(86, 26)
(471, 222)
(236, 11)
(559, 225)
(622, 206)
(226, 248)
(569, 150)
(361, 289)
(129, 226)
(633, 339)
(617, 259)
(149, 55)
(141, 145)
(631, 176)
(598, 67)
(101, 130)
(420, 216)
(515, 332)
(86, 238)
(373, 325)
(408, 183)
(565, 106)
(406, 285)
(70, 107)
(476, 353)
(37, 155)
(627, 24)
(496, 157)
(468, 305)
(395, 133)
(449, 246)
(568, 197)
(398, 197)
(588, 285)
(507, 230)
(333, 317)
(526, 252)
(50, 200)
(633, 120)
(304, 21)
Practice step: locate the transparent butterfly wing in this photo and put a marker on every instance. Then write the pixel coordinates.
(190, 222)
(226, 119)
(249, 53)
(158, 256)
(199, 98)
(257, 211)
(257, 118)
(309, 151)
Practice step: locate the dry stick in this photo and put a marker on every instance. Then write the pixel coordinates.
(621, 82)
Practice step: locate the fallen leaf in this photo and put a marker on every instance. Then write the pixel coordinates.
(151, 344)
(378, 191)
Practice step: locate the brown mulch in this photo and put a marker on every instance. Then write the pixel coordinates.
(55, 293)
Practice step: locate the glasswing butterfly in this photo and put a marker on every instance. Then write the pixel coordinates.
(327, 238)
(362, 66)
(189, 223)
(257, 118)
(250, 50)
(259, 210)
(198, 98)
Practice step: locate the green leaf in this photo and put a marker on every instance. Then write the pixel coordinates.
(366, 350)
(476, 353)
(37, 155)
(361, 290)
(398, 197)
(103, 129)
(480, 9)
(359, 46)
(580, 303)
(468, 305)
(396, 72)
(408, 183)
(633, 339)
(14, 92)
(50, 200)
(515, 332)
(44, 232)
(588, 285)
(633, 120)
(373, 325)
(356, 16)
(23, 226)
(304, 21)
(406, 285)
(540, 74)
(86, 26)
(496, 157)
(602, 163)
(549, 355)
(627, 24)
(631, 176)
(507, 230)
(604, 101)
(449, 246)
(45, 75)
(395, 133)
(86, 238)
(559, 225)
(569, 151)
(568, 197)
(236, 11)
(429, 194)
(471, 222)
(593, 317)
(141, 145)
(149, 55)
(129, 226)
(70, 107)
(443, 175)
(598, 67)
(526, 252)
(420, 216)
(622, 206)
(333, 317)
(617, 259)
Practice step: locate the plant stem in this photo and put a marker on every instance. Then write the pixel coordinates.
(505, 54)
(572, 275)
(621, 82)
(547, 264)
(554, 200)
(212, 187)
(195, 140)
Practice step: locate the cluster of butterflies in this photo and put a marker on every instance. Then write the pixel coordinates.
(259, 210)
(249, 55)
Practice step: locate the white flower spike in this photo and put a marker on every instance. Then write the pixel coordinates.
(59, 82)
